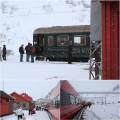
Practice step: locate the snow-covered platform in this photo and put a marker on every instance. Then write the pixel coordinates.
(40, 115)
(103, 112)
(13, 69)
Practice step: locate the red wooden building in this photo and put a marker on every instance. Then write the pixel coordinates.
(27, 97)
(110, 39)
(6, 104)
(21, 100)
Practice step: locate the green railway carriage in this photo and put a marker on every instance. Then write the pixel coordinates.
(61, 43)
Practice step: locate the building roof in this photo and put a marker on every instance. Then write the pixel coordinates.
(26, 96)
(66, 87)
(5, 95)
(19, 98)
(63, 29)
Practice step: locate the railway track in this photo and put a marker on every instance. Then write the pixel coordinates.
(80, 115)
(96, 117)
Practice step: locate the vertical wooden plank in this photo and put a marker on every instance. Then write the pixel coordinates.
(116, 43)
(108, 38)
(104, 71)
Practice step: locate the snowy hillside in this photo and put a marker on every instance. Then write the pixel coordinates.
(19, 18)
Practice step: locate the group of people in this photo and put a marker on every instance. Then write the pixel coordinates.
(30, 52)
(3, 53)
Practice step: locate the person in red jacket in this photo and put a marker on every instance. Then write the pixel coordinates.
(30, 110)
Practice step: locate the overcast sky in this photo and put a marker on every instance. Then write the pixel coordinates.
(22, 17)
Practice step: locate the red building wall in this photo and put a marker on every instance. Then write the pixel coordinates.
(6, 106)
(110, 39)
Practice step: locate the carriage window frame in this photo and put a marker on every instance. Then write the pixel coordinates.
(48, 43)
(79, 43)
(72, 99)
(60, 43)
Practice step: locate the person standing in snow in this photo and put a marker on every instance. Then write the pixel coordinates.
(21, 51)
(0, 54)
(4, 51)
(27, 48)
(33, 51)
(30, 110)
(19, 113)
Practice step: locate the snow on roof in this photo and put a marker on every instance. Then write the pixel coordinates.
(63, 29)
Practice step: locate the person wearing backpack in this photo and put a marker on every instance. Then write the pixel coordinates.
(21, 51)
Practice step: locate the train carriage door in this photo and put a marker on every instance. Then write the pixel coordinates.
(38, 41)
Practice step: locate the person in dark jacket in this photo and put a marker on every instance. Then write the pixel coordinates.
(4, 51)
(27, 49)
(33, 51)
(21, 51)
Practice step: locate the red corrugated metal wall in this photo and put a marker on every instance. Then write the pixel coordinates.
(110, 40)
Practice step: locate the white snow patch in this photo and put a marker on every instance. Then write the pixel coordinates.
(40, 115)
(103, 112)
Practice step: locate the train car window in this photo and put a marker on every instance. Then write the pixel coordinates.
(50, 40)
(62, 40)
(65, 98)
(80, 40)
(55, 102)
(77, 100)
(72, 99)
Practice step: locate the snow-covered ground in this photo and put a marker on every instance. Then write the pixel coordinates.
(40, 77)
(103, 112)
(40, 115)
(43, 70)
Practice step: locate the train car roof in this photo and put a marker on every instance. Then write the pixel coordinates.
(66, 87)
(63, 29)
